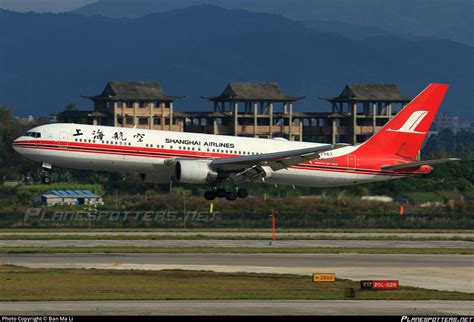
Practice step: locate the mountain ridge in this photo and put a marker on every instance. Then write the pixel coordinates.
(49, 60)
(421, 18)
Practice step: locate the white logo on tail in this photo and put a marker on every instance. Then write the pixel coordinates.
(413, 121)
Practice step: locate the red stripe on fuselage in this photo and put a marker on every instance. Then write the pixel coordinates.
(109, 149)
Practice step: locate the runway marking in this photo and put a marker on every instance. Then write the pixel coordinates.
(239, 307)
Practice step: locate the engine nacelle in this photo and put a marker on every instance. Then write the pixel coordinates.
(192, 171)
(267, 171)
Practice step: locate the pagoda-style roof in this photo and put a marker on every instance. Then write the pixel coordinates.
(204, 114)
(370, 93)
(119, 91)
(80, 113)
(267, 92)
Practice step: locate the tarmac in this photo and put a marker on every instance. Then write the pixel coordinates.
(450, 272)
(238, 307)
(440, 272)
(322, 234)
(239, 243)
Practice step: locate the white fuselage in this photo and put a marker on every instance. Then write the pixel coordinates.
(145, 151)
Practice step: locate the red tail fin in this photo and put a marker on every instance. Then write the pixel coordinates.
(405, 133)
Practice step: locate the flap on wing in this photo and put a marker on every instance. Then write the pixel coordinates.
(416, 164)
(275, 160)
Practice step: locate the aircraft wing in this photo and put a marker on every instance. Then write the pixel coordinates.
(276, 160)
(416, 164)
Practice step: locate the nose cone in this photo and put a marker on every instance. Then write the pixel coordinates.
(15, 145)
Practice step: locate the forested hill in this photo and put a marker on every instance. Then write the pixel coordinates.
(447, 143)
(433, 18)
(49, 60)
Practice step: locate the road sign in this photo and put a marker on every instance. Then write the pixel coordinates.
(324, 277)
(379, 285)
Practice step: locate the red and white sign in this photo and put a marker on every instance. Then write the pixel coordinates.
(384, 285)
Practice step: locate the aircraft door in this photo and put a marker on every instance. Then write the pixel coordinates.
(63, 139)
(351, 162)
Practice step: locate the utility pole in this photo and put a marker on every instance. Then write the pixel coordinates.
(273, 225)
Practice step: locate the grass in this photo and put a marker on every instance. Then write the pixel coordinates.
(423, 197)
(235, 230)
(203, 236)
(28, 284)
(243, 250)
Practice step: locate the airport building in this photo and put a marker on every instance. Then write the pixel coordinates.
(247, 109)
(70, 197)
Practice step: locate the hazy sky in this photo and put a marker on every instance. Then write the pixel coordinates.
(43, 5)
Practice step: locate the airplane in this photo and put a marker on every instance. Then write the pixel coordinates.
(213, 160)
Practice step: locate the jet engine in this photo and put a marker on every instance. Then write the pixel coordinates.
(192, 171)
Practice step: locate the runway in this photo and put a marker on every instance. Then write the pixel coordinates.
(239, 243)
(237, 308)
(440, 272)
(243, 235)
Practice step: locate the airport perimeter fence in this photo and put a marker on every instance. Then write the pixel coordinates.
(38, 218)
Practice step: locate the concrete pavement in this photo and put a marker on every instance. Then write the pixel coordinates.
(439, 272)
(238, 307)
(239, 243)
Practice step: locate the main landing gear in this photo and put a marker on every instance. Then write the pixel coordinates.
(222, 193)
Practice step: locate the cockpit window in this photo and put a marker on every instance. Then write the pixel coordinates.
(33, 134)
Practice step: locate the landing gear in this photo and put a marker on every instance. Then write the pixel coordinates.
(242, 193)
(210, 195)
(221, 193)
(46, 179)
(230, 195)
(45, 168)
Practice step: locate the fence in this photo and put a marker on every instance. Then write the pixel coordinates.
(38, 218)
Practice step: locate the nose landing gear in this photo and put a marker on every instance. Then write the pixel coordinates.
(46, 179)
(45, 169)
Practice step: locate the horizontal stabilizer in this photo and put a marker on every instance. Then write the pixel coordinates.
(411, 165)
